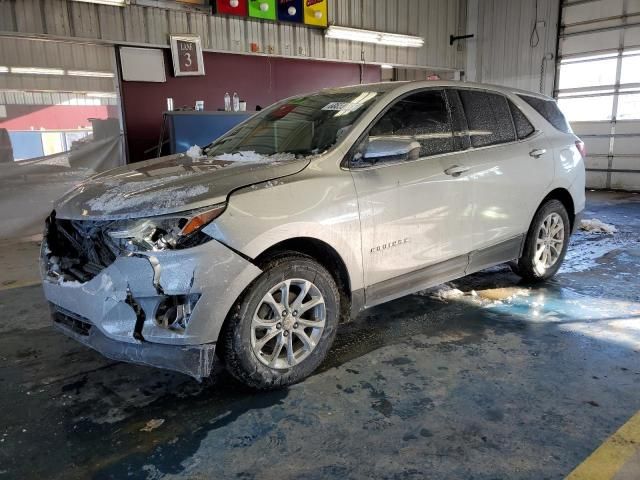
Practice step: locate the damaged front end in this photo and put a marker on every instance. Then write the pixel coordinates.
(151, 291)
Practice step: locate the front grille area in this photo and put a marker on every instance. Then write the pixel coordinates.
(73, 323)
(78, 249)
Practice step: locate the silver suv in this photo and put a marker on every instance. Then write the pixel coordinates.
(304, 215)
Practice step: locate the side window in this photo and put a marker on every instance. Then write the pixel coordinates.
(488, 117)
(523, 126)
(550, 111)
(459, 121)
(421, 117)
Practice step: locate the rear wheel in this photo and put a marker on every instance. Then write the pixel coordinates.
(282, 328)
(546, 243)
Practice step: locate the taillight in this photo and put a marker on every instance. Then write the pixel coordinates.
(581, 148)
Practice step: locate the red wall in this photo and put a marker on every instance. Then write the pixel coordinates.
(258, 81)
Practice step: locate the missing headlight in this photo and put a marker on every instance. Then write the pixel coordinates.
(182, 230)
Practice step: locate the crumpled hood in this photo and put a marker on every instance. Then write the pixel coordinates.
(170, 184)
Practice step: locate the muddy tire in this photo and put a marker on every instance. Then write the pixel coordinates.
(282, 327)
(546, 243)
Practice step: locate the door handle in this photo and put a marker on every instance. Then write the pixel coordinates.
(456, 170)
(538, 152)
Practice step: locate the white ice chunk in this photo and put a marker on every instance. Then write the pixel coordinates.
(194, 152)
(597, 226)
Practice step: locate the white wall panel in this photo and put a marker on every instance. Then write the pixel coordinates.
(501, 51)
(435, 20)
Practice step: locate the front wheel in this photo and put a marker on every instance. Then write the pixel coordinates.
(546, 243)
(282, 328)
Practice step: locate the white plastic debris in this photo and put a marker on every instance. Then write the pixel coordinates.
(253, 157)
(449, 293)
(194, 152)
(152, 425)
(597, 226)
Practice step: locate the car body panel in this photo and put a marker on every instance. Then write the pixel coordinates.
(506, 183)
(169, 184)
(412, 215)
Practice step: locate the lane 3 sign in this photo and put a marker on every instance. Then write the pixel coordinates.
(186, 53)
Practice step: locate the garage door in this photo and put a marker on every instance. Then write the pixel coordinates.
(598, 87)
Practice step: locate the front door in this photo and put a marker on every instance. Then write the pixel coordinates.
(415, 205)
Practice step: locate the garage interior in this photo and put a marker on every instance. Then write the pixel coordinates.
(483, 377)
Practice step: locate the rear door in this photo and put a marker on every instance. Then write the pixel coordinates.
(511, 167)
(415, 218)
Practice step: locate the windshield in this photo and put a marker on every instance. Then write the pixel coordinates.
(303, 125)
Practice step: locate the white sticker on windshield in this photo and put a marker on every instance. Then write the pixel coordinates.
(342, 106)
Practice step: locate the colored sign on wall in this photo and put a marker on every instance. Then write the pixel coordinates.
(265, 9)
(315, 12)
(290, 10)
(232, 7)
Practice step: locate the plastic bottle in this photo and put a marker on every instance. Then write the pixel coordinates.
(236, 102)
(227, 102)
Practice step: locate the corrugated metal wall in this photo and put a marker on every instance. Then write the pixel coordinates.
(32, 53)
(434, 20)
(505, 50)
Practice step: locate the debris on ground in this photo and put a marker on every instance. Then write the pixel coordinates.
(194, 152)
(597, 226)
(502, 294)
(152, 425)
(449, 293)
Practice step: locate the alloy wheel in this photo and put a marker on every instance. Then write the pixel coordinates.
(549, 243)
(288, 323)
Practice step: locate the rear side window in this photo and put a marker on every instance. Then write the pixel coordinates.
(550, 111)
(488, 118)
(524, 128)
(422, 116)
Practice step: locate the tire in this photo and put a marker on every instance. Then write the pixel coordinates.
(256, 338)
(531, 266)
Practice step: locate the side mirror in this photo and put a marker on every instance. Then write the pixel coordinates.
(391, 148)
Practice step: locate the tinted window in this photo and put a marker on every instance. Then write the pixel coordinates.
(488, 118)
(423, 117)
(550, 111)
(522, 123)
(459, 121)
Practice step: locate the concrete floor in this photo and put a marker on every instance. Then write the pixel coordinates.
(517, 382)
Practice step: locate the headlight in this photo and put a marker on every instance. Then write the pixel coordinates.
(180, 230)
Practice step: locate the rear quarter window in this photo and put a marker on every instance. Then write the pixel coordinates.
(550, 111)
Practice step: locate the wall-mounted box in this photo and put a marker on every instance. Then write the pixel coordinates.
(232, 7)
(291, 10)
(315, 13)
(265, 9)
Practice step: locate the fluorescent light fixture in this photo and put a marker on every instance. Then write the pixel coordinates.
(4, 69)
(386, 66)
(37, 71)
(115, 3)
(87, 73)
(371, 36)
(101, 95)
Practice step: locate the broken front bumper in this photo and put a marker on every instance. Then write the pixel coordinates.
(193, 360)
(119, 307)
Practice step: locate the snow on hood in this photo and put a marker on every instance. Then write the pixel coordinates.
(172, 184)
